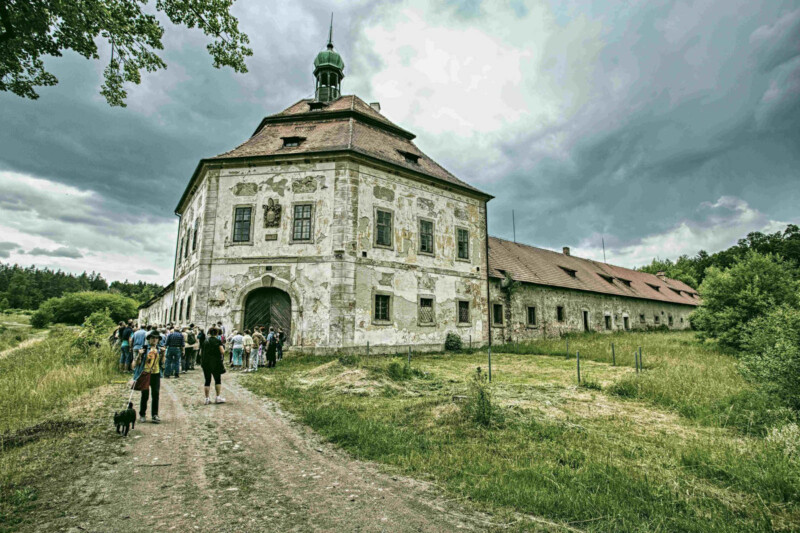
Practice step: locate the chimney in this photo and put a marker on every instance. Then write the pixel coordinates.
(661, 274)
(376, 106)
(565, 250)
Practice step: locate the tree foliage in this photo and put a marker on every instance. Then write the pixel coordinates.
(75, 307)
(33, 29)
(771, 353)
(692, 270)
(751, 288)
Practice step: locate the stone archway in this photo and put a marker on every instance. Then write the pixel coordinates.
(269, 280)
(268, 306)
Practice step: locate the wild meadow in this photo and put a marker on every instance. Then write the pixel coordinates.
(15, 328)
(685, 445)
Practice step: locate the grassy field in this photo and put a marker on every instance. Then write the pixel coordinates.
(15, 328)
(677, 448)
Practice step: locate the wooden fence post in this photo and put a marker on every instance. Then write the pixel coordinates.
(613, 356)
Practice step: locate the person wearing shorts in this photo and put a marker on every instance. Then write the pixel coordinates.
(212, 365)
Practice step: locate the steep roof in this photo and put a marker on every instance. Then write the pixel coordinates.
(545, 267)
(346, 124)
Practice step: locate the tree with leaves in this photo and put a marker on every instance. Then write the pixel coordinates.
(33, 29)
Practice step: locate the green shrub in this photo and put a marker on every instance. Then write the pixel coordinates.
(452, 343)
(478, 407)
(349, 359)
(749, 289)
(96, 329)
(73, 308)
(771, 353)
(400, 369)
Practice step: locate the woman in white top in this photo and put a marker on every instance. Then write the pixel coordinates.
(247, 343)
(238, 347)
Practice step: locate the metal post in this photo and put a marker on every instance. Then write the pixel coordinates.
(367, 348)
(636, 360)
(566, 354)
(578, 358)
(640, 359)
(613, 356)
(470, 341)
(490, 363)
(409, 355)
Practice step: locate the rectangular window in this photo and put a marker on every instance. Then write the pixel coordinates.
(670, 320)
(497, 314)
(426, 236)
(186, 244)
(608, 322)
(301, 228)
(463, 312)
(382, 308)
(426, 315)
(462, 236)
(626, 323)
(656, 319)
(642, 319)
(383, 228)
(560, 313)
(188, 307)
(194, 235)
(241, 224)
(531, 316)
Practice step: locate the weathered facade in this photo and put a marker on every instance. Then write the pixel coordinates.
(330, 223)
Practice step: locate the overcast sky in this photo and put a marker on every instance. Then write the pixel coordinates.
(665, 127)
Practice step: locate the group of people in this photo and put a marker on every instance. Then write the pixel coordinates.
(252, 350)
(171, 350)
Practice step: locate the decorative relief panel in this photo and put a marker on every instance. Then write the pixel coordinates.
(272, 214)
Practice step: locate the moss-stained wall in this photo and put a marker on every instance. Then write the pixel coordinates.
(639, 313)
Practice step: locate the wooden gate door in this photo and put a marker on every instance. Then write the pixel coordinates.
(269, 307)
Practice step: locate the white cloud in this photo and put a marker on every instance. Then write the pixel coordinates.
(721, 224)
(66, 228)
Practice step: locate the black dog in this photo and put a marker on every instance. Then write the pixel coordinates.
(125, 420)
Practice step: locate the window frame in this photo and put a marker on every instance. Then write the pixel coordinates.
(234, 242)
(528, 322)
(375, 243)
(390, 304)
(432, 222)
(459, 322)
(311, 219)
(495, 323)
(469, 245)
(432, 298)
(608, 322)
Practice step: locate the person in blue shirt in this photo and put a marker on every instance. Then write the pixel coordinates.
(139, 339)
(175, 344)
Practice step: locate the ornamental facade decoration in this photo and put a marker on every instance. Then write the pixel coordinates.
(272, 214)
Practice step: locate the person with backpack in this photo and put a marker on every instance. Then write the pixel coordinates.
(191, 346)
(281, 340)
(256, 355)
(272, 347)
(126, 356)
(201, 340)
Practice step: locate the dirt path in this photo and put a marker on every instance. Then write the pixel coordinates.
(245, 466)
(38, 337)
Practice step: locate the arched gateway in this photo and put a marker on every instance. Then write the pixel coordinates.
(268, 306)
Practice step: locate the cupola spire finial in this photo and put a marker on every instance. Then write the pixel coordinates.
(330, 34)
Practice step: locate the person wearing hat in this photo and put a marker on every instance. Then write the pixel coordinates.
(152, 361)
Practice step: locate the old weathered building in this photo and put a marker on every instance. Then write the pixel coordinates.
(330, 223)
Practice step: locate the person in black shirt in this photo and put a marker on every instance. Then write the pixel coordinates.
(212, 364)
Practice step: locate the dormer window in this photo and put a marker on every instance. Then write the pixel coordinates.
(676, 291)
(607, 278)
(570, 272)
(654, 287)
(317, 106)
(291, 142)
(410, 158)
(627, 282)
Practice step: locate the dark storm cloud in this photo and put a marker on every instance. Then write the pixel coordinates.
(710, 108)
(6, 248)
(64, 251)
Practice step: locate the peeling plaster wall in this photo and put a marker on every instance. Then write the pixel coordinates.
(547, 299)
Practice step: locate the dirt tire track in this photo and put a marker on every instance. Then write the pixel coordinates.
(246, 466)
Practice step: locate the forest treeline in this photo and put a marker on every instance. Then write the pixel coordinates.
(29, 287)
(692, 270)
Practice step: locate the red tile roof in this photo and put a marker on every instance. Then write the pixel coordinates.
(347, 123)
(529, 264)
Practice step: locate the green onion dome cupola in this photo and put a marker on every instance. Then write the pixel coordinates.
(329, 72)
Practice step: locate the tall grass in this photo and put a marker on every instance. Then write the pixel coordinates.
(37, 381)
(680, 372)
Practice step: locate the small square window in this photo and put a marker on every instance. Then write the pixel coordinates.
(383, 228)
(382, 311)
(425, 236)
(462, 236)
(426, 315)
(463, 312)
(241, 224)
(497, 314)
(301, 226)
(560, 313)
(531, 316)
